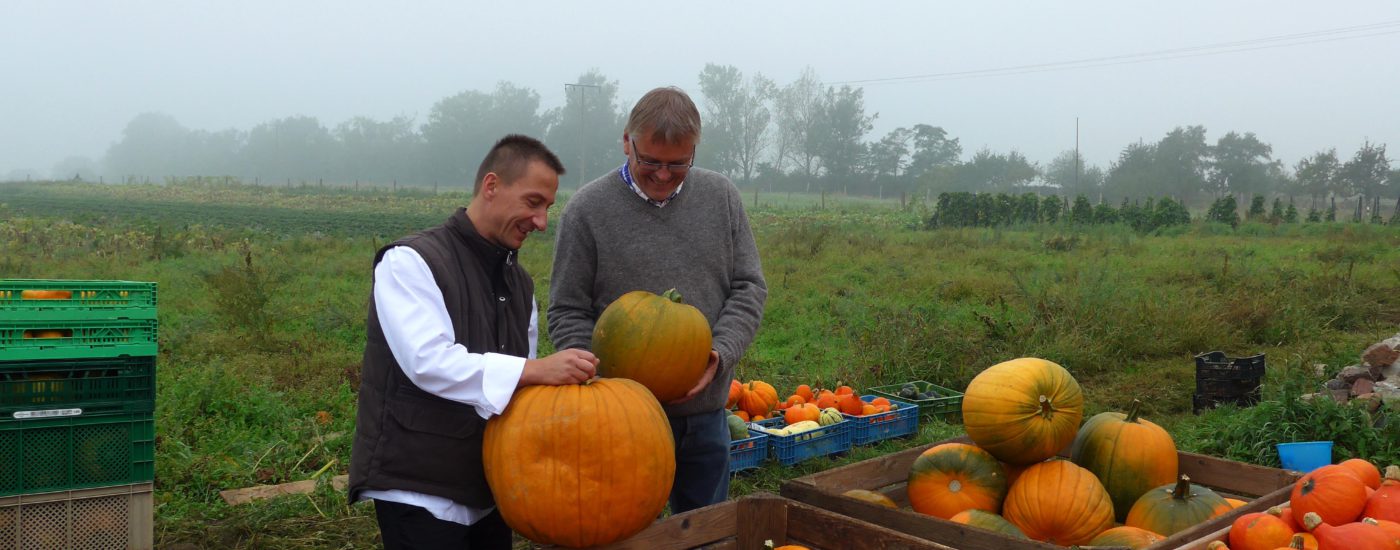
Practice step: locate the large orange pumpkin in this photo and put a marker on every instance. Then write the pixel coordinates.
(1332, 491)
(1023, 411)
(1364, 470)
(655, 340)
(1132, 537)
(988, 521)
(1129, 455)
(952, 477)
(580, 465)
(1259, 531)
(1174, 507)
(1059, 502)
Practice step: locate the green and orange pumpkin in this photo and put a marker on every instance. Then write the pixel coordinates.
(1058, 502)
(1129, 454)
(1123, 535)
(1174, 507)
(1023, 411)
(988, 521)
(656, 340)
(952, 477)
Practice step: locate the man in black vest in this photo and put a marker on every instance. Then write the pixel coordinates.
(451, 335)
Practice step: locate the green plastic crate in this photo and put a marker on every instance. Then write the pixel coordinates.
(948, 404)
(38, 339)
(76, 452)
(96, 386)
(57, 300)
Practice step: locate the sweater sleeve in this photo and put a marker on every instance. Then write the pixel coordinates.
(570, 314)
(743, 309)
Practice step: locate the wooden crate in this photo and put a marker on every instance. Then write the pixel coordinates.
(1262, 487)
(748, 522)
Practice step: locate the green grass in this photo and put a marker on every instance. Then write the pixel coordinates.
(262, 327)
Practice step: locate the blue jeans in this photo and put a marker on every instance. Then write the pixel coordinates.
(702, 461)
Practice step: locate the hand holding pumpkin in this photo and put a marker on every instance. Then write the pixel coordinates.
(570, 366)
(705, 380)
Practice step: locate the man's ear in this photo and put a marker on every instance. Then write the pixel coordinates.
(489, 185)
(626, 145)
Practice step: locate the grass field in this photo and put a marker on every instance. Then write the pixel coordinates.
(263, 300)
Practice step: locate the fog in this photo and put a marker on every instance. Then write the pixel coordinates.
(1302, 76)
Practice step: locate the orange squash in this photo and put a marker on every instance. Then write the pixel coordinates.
(1060, 503)
(1132, 537)
(1364, 470)
(1332, 492)
(952, 477)
(570, 490)
(1128, 454)
(798, 413)
(806, 392)
(736, 389)
(1023, 411)
(826, 400)
(989, 521)
(656, 340)
(849, 404)
(1174, 507)
(743, 415)
(1385, 504)
(1285, 513)
(1259, 531)
(871, 497)
(1349, 536)
(844, 390)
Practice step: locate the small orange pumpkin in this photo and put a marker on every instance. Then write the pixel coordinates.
(759, 398)
(798, 413)
(850, 404)
(1132, 537)
(806, 392)
(826, 400)
(1365, 471)
(1259, 531)
(871, 497)
(736, 389)
(1385, 504)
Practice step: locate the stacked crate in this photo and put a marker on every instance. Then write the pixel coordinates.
(77, 405)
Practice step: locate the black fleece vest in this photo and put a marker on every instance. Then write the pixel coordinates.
(407, 438)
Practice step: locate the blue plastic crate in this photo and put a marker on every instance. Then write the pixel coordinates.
(791, 449)
(748, 452)
(872, 428)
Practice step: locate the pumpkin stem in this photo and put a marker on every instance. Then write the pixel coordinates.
(1216, 545)
(672, 295)
(1046, 410)
(1311, 520)
(1183, 488)
(1133, 411)
(1392, 473)
(1297, 542)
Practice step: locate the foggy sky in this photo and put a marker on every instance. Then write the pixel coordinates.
(72, 74)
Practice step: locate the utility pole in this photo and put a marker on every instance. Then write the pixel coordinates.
(582, 125)
(1076, 153)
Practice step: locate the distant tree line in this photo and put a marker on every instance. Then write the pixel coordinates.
(800, 136)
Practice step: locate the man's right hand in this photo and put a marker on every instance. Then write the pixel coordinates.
(570, 366)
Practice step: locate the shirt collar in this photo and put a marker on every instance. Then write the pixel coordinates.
(626, 174)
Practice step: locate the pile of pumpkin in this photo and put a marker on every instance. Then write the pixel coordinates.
(805, 410)
(1347, 506)
(1122, 468)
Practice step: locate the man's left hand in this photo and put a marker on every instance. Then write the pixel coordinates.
(705, 379)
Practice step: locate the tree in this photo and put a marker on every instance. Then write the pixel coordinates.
(292, 148)
(1368, 172)
(1317, 175)
(1180, 160)
(461, 128)
(842, 144)
(1061, 172)
(586, 133)
(1225, 210)
(800, 112)
(1240, 164)
(152, 144)
(887, 161)
(1135, 174)
(1082, 213)
(736, 119)
(380, 151)
(1256, 208)
(932, 150)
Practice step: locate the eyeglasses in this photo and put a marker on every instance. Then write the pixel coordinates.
(648, 166)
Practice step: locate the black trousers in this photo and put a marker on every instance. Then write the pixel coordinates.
(406, 527)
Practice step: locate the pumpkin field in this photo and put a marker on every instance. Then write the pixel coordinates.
(263, 294)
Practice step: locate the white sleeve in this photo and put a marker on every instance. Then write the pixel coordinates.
(533, 331)
(419, 333)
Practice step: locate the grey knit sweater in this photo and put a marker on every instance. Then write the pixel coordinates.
(611, 242)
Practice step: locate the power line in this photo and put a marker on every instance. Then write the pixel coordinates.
(1219, 48)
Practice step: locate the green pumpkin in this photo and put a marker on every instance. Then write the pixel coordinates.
(1175, 507)
(737, 428)
(829, 416)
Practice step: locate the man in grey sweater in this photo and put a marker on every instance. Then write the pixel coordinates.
(656, 223)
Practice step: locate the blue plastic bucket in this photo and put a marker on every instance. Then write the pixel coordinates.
(1305, 456)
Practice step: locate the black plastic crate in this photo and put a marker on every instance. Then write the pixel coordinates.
(1221, 379)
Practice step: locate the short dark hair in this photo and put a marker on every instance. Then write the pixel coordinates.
(510, 156)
